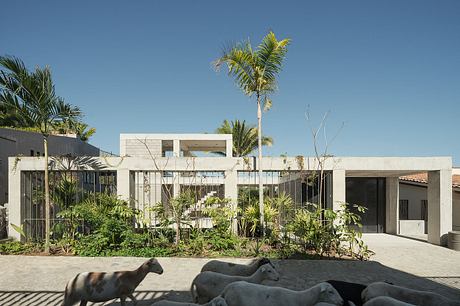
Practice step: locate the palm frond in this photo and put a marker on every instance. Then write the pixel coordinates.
(244, 137)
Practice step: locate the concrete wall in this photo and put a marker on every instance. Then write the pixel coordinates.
(141, 148)
(411, 227)
(414, 194)
(21, 143)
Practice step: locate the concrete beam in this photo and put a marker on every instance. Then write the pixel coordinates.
(439, 206)
(365, 166)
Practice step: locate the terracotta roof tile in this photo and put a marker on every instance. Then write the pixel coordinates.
(423, 178)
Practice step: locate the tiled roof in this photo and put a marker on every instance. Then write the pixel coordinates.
(423, 178)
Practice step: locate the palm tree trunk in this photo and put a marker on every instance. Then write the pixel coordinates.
(261, 185)
(47, 198)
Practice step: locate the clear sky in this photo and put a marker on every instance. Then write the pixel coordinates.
(390, 70)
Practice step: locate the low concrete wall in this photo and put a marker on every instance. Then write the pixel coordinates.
(411, 227)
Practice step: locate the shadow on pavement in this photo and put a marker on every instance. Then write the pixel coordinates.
(54, 298)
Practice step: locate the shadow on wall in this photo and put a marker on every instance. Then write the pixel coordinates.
(50, 298)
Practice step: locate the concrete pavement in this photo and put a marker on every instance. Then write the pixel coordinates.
(35, 280)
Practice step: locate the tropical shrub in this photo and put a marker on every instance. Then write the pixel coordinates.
(328, 232)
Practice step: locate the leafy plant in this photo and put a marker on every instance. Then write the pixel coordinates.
(175, 211)
(328, 232)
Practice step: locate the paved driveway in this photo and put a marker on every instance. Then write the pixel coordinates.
(28, 280)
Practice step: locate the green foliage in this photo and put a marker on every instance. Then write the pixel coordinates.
(221, 213)
(103, 225)
(244, 137)
(330, 233)
(174, 211)
(276, 209)
(16, 247)
(255, 69)
(19, 229)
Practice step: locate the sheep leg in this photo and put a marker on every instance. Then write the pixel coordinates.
(131, 296)
(83, 303)
(123, 301)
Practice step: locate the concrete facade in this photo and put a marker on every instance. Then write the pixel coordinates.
(151, 162)
(22, 143)
(390, 168)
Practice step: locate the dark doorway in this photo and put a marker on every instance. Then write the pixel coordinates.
(370, 193)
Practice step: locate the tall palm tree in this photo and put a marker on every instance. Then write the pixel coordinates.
(245, 139)
(32, 96)
(255, 72)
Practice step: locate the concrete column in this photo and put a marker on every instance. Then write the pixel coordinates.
(124, 184)
(176, 176)
(231, 192)
(176, 148)
(14, 198)
(229, 148)
(439, 206)
(392, 206)
(338, 188)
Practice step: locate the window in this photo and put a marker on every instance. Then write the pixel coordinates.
(38, 153)
(403, 209)
(32, 153)
(424, 208)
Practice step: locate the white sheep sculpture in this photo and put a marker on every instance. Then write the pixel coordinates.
(207, 285)
(411, 296)
(229, 268)
(217, 301)
(104, 286)
(246, 294)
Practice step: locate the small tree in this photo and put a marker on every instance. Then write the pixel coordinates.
(32, 98)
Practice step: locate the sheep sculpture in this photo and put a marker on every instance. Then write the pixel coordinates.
(217, 301)
(411, 296)
(207, 285)
(247, 294)
(386, 301)
(350, 292)
(104, 286)
(229, 268)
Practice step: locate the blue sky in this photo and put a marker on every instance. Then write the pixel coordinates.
(390, 70)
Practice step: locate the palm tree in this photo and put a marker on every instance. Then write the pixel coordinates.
(255, 72)
(245, 139)
(32, 97)
(83, 131)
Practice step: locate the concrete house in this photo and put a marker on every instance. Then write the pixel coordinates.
(153, 167)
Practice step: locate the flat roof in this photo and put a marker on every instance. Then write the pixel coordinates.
(187, 136)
